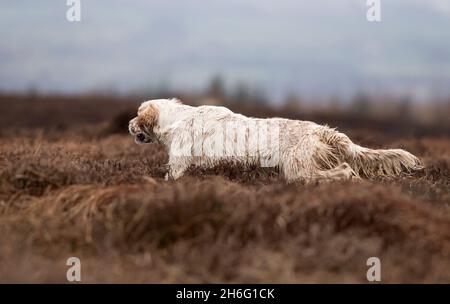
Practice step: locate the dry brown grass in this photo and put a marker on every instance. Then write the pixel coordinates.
(69, 187)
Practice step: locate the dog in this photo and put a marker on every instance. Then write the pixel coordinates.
(207, 136)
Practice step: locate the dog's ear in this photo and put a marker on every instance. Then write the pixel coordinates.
(148, 117)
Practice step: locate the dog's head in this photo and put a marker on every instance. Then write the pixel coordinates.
(142, 127)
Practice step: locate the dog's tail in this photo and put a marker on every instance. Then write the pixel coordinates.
(369, 162)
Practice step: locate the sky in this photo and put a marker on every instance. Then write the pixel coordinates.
(312, 48)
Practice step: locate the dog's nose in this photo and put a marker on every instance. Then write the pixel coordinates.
(140, 136)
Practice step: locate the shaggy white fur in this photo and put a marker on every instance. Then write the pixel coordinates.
(302, 150)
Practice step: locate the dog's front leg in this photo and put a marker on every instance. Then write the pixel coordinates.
(177, 166)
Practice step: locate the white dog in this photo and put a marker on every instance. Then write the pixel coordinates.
(209, 135)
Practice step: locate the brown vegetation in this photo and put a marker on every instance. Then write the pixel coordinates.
(73, 183)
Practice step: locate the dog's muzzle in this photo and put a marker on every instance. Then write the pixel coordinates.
(142, 138)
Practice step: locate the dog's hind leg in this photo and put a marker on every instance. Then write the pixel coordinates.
(314, 161)
(341, 172)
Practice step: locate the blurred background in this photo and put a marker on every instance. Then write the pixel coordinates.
(321, 55)
(73, 182)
